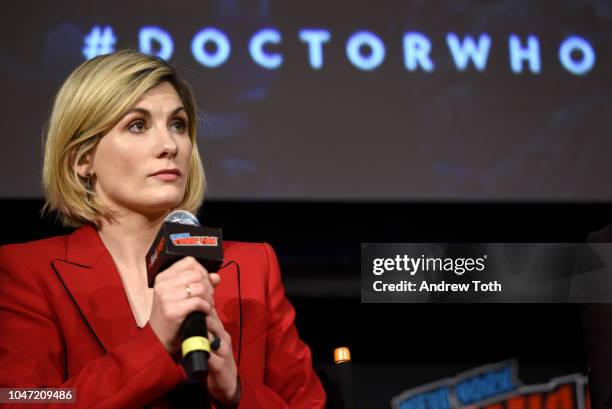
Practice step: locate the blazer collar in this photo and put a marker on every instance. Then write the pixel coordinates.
(85, 246)
(92, 280)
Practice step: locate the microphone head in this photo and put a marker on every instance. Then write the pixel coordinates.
(182, 217)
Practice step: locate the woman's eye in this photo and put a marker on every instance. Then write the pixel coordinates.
(137, 126)
(179, 126)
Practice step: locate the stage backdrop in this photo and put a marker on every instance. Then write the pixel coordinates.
(346, 100)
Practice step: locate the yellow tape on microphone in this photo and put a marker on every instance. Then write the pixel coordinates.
(195, 344)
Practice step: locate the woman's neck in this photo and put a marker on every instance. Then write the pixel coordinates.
(128, 239)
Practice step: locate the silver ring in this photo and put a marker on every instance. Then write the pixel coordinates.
(188, 290)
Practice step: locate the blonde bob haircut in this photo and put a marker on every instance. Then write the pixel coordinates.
(91, 101)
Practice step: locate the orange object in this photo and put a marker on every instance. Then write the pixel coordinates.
(341, 355)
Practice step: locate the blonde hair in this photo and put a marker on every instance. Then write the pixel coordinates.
(96, 96)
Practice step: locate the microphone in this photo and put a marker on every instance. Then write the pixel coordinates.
(181, 235)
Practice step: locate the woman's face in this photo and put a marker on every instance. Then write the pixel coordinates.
(142, 163)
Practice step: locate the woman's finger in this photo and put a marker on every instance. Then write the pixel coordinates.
(192, 290)
(177, 269)
(183, 308)
(172, 280)
(215, 327)
(215, 279)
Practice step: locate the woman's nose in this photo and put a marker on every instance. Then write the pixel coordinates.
(166, 145)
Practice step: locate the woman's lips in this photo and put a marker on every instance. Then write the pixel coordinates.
(167, 177)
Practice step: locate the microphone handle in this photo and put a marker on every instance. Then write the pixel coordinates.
(195, 346)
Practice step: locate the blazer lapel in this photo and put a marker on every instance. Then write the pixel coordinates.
(92, 280)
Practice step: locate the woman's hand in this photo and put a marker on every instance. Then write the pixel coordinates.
(223, 380)
(181, 289)
(172, 303)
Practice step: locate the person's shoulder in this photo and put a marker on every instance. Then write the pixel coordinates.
(29, 265)
(45, 250)
(245, 248)
(259, 253)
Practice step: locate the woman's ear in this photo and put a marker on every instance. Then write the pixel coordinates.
(84, 165)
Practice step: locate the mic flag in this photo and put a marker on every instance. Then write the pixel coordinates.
(181, 236)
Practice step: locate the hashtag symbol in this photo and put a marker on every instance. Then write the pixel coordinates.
(99, 41)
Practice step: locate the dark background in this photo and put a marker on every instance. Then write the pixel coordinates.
(340, 133)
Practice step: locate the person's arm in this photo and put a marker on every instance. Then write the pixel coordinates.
(32, 350)
(291, 382)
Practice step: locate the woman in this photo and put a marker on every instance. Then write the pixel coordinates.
(76, 311)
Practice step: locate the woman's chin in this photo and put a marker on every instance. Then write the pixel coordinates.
(161, 206)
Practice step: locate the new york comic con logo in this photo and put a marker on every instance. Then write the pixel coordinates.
(186, 239)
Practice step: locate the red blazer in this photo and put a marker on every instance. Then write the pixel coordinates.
(65, 321)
